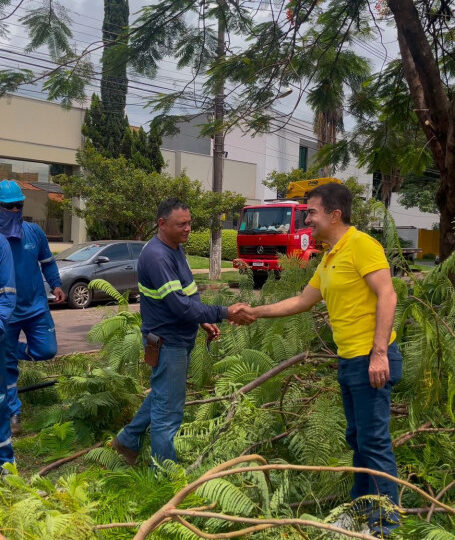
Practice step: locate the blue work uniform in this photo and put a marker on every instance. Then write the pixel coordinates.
(172, 309)
(7, 303)
(32, 258)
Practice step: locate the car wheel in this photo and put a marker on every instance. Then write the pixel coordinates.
(79, 296)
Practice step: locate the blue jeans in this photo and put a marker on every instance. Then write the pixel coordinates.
(6, 450)
(367, 411)
(162, 409)
(41, 345)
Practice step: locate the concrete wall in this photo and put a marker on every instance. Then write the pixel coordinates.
(272, 151)
(409, 233)
(189, 139)
(411, 216)
(35, 204)
(238, 176)
(38, 130)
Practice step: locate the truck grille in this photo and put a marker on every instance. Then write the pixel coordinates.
(262, 252)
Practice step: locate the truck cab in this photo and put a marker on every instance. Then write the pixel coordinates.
(276, 228)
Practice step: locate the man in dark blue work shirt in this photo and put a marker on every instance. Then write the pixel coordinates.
(7, 303)
(171, 309)
(32, 258)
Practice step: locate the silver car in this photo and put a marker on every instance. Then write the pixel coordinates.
(112, 260)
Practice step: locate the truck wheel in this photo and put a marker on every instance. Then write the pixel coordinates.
(79, 296)
(259, 278)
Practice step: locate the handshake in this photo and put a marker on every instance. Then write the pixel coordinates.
(241, 314)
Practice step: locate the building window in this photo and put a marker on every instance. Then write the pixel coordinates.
(303, 157)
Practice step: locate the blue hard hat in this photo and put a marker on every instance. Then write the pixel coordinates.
(10, 192)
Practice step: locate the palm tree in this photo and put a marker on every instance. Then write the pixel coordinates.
(337, 74)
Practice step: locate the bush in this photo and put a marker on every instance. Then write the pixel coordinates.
(199, 244)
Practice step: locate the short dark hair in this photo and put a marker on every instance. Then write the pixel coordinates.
(166, 207)
(334, 197)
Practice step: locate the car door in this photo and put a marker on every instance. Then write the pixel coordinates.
(135, 249)
(119, 269)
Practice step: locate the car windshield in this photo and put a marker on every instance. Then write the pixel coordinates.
(266, 220)
(79, 253)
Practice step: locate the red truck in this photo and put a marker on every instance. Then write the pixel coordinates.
(268, 231)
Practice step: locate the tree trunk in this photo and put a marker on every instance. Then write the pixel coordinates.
(218, 157)
(435, 111)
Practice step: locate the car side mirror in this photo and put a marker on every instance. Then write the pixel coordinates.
(101, 259)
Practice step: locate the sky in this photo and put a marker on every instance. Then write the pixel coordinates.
(87, 18)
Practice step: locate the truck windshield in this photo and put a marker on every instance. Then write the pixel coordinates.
(271, 220)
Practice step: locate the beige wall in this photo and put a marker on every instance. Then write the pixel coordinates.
(36, 130)
(239, 176)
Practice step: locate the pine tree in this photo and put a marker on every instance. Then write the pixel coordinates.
(114, 80)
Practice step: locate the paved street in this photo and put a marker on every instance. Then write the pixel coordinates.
(72, 326)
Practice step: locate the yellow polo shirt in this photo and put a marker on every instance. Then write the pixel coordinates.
(350, 301)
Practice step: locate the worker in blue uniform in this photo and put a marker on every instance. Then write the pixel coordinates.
(7, 303)
(32, 259)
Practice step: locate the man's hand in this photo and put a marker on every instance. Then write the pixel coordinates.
(60, 296)
(212, 330)
(241, 314)
(379, 371)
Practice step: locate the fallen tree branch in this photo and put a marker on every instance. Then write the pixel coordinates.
(273, 439)
(425, 428)
(402, 439)
(59, 462)
(438, 498)
(302, 357)
(226, 469)
(260, 524)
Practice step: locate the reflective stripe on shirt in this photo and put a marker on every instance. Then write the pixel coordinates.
(167, 288)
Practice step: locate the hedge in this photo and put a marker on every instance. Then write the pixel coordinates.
(199, 244)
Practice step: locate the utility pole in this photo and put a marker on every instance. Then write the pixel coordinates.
(218, 153)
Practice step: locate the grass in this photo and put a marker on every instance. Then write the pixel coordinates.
(196, 262)
(226, 277)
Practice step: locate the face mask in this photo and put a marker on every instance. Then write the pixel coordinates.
(11, 223)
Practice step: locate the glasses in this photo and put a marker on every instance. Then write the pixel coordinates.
(11, 205)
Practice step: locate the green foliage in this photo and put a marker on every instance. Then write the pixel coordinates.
(49, 25)
(295, 417)
(280, 181)
(120, 334)
(11, 79)
(199, 244)
(41, 510)
(67, 82)
(420, 192)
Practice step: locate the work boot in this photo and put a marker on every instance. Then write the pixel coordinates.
(16, 427)
(3, 472)
(129, 454)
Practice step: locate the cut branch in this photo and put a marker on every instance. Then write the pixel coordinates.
(67, 459)
(227, 469)
(303, 357)
(425, 428)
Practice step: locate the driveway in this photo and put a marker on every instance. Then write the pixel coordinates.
(72, 325)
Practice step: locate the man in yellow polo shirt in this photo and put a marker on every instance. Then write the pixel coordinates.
(354, 280)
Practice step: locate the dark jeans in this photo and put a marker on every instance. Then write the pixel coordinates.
(367, 411)
(162, 409)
